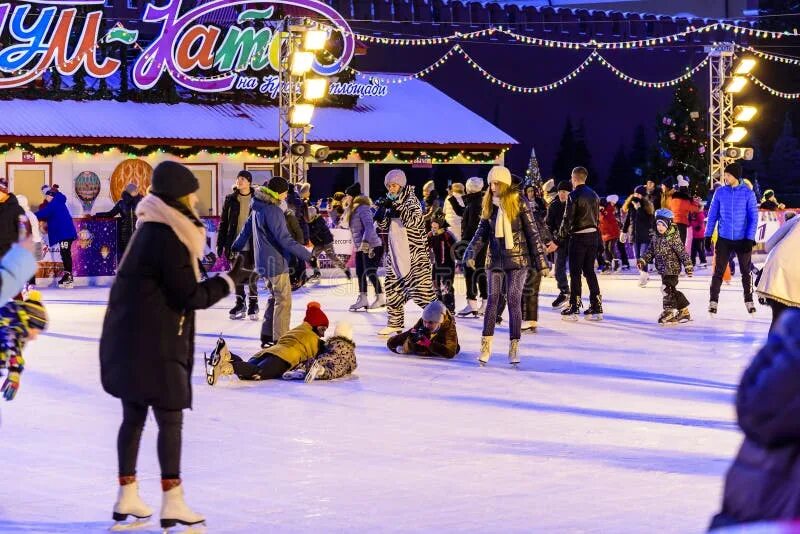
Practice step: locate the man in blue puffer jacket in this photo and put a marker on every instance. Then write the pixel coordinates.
(734, 214)
(274, 247)
(60, 231)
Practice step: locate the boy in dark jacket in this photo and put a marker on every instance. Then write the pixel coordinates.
(669, 253)
(322, 240)
(440, 243)
(60, 231)
(433, 335)
(235, 212)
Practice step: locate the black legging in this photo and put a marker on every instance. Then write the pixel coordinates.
(367, 269)
(509, 284)
(170, 423)
(698, 249)
(65, 247)
(264, 367)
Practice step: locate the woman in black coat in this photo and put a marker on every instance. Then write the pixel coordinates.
(763, 484)
(147, 345)
(508, 229)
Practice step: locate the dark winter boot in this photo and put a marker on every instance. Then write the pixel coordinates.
(252, 308)
(237, 312)
(66, 281)
(595, 310)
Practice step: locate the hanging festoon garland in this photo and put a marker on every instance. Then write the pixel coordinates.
(772, 91)
(653, 85)
(771, 57)
(408, 77)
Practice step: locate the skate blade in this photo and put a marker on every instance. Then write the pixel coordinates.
(570, 318)
(138, 523)
(172, 525)
(514, 365)
(253, 317)
(595, 317)
(361, 309)
(236, 317)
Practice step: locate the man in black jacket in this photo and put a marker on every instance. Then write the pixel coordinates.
(10, 210)
(126, 209)
(235, 212)
(555, 215)
(580, 226)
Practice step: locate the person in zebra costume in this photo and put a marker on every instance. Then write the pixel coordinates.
(409, 275)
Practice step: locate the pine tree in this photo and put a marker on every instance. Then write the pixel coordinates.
(784, 164)
(682, 139)
(565, 157)
(620, 175)
(583, 158)
(533, 175)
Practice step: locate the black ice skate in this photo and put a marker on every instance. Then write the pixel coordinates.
(252, 308)
(595, 311)
(712, 307)
(66, 282)
(238, 311)
(561, 300)
(751, 308)
(218, 363)
(683, 316)
(667, 316)
(570, 313)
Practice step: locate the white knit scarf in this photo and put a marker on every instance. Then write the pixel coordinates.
(153, 209)
(502, 226)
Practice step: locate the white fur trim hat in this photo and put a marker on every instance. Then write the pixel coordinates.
(612, 199)
(682, 182)
(395, 176)
(499, 174)
(475, 184)
(344, 329)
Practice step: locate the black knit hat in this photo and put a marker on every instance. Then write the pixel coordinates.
(565, 185)
(640, 190)
(354, 190)
(278, 185)
(173, 180)
(735, 170)
(246, 175)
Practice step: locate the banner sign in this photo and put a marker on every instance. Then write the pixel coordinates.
(183, 45)
(768, 223)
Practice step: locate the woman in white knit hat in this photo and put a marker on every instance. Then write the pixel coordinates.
(409, 274)
(514, 245)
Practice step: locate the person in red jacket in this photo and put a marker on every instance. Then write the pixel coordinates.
(682, 206)
(609, 231)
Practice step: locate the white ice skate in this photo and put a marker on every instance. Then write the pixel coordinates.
(175, 511)
(362, 304)
(470, 310)
(482, 309)
(389, 331)
(486, 350)
(379, 302)
(513, 353)
(643, 278)
(130, 505)
(314, 372)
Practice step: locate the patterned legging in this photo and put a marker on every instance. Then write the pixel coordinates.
(515, 283)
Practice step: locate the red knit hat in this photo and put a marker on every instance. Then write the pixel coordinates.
(315, 316)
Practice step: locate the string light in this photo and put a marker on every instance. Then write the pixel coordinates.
(403, 79)
(773, 92)
(653, 85)
(771, 57)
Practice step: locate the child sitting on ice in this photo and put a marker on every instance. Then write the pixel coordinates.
(321, 237)
(20, 322)
(433, 335)
(440, 243)
(296, 346)
(337, 360)
(669, 253)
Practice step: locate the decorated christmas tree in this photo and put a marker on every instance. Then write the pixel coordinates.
(533, 175)
(682, 140)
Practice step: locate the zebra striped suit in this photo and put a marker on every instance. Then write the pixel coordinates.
(409, 274)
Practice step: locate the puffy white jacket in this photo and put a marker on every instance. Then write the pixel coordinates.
(780, 279)
(451, 217)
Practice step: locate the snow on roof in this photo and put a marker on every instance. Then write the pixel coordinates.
(414, 112)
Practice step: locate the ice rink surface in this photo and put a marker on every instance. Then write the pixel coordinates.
(614, 427)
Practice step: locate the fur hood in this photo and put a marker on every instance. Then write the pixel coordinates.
(263, 194)
(361, 200)
(341, 339)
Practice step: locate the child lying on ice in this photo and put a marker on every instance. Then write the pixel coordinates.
(433, 335)
(295, 347)
(337, 360)
(20, 322)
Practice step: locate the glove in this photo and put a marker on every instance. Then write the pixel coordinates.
(364, 247)
(470, 263)
(709, 243)
(623, 238)
(750, 244)
(641, 265)
(11, 385)
(371, 253)
(424, 342)
(238, 273)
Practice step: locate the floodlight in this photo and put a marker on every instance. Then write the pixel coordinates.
(301, 63)
(300, 115)
(744, 113)
(745, 65)
(736, 84)
(315, 39)
(315, 88)
(736, 134)
(735, 152)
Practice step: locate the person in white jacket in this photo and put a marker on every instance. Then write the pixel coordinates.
(454, 209)
(779, 282)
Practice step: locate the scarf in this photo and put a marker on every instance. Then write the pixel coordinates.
(502, 226)
(154, 209)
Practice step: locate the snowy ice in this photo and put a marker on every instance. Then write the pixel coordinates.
(619, 426)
